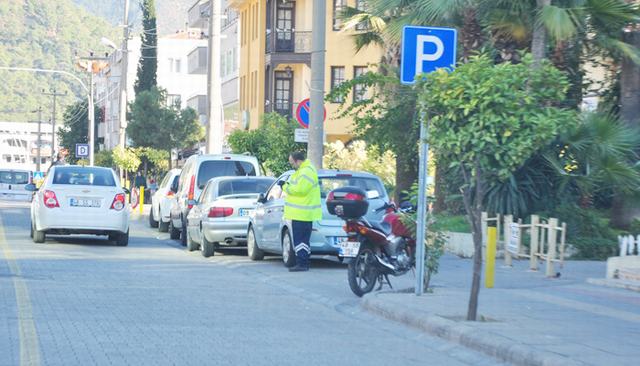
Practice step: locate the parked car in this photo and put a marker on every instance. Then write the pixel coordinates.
(12, 184)
(162, 200)
(269, 232)
(80, 200)
(221, 216)
(197, 171)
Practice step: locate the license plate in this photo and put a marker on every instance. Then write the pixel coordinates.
(82, 202)
(245, 212)
(336, 240)
(349, 248)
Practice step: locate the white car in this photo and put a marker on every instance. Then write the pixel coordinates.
(12, 183)
(161, 201)
(80, 200)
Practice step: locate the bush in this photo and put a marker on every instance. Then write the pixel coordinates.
(454, 223)
(594, 248)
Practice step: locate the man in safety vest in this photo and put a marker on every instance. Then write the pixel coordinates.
(302, 207)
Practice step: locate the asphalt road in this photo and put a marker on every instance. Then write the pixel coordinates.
(82, 301)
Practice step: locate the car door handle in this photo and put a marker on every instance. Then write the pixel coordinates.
(269, 210)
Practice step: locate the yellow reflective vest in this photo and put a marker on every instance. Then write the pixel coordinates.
(302, 202)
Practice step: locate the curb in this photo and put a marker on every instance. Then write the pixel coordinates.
(484, 341)
(614, 283)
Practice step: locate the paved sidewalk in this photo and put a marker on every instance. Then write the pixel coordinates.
(530, 319)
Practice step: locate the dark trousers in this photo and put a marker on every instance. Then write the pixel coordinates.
(301, 231)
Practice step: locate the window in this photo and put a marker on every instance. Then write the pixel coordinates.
(337, 78)
(178, 65)
(276, 190)
(327, 184)
(170, 65)
(223, 168)
(359, 90)
(283, 92)
(338, 7)
(84, 176)
(174, 100)
(362, 6)
(243, 186)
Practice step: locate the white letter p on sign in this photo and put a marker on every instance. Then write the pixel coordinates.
(421, 56)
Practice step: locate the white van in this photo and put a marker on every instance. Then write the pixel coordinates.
(12, 183)
(196, 172)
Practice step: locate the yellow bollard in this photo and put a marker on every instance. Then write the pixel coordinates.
(490, 269)
(141, 199)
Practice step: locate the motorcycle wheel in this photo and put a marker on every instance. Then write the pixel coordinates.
(362, 272)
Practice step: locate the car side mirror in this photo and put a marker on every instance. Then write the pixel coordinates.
(174, 188)
(262, 198)
(31, 187)
(126, 190)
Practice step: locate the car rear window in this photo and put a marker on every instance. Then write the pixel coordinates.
(223, 168)
(84, 177)
(328, 184)
(243, 186)
(9, 177)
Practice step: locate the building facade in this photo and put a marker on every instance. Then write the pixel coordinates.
(198, 17)
(275, 59)
(19, 145)
(173, 74)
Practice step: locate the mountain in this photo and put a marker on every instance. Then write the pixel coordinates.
(44, 34)
(172, 14)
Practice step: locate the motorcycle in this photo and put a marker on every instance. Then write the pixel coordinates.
(375, 249)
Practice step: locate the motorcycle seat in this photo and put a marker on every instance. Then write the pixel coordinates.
(384, 227)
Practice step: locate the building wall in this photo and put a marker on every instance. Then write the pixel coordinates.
(19, 143)
(340, 52)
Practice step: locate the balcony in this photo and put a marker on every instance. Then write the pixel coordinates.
(288, 46)
(198, 103)
(198, 13)
(197, 61)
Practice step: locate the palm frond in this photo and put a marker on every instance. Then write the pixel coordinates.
(614, 13)
(561, 23)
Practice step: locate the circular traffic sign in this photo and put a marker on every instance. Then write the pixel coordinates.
(303, 113)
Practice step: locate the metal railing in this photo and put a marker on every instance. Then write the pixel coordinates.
(288, 41)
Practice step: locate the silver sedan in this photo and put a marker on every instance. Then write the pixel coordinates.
(221, 215)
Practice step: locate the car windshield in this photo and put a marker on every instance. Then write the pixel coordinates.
(223, 168)
(328, 184)
(83, 176)
(243, 186)
(9, 177)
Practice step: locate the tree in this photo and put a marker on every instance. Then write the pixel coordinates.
(153, 124)
(148, 67)
(75, 127)
(488, 120)
(271, 143)
(387, 121)
(126, 159)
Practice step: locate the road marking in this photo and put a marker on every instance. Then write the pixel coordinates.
(29, 345)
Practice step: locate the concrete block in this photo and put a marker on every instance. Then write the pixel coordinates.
(627, 263)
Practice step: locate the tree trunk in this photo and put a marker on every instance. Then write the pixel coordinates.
(472, 311)
(472, 35)
(439, 190)
(539, 39)
(624, 211)
(406, 175)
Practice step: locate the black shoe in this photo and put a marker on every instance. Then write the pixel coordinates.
(298, 268)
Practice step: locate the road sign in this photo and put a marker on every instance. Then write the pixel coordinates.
(38, 175)
(514, 240)
(82, 150)
(301, 135)
(426, 49)
(303, 113)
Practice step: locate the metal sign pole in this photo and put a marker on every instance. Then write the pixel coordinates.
(422, 204)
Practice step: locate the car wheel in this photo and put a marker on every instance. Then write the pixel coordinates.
(163, 227)
(122, 239)
(152, 222)
(173, 232)
(253, 251)
(38, 236)
(191, 245)
(208, 248)
(288, 254)
(183, 234)
(31, 232)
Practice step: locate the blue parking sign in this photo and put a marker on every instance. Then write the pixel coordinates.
(82, 150)
(426, 49)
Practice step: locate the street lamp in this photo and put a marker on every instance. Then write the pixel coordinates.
(107, 42)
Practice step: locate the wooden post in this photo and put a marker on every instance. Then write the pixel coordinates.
(508, 219)
(520, 249)
(533, 261)
(562, 243)
(551, 251)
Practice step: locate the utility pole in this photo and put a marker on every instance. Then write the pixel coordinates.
(214, 86)
(316, 123)
(122, 115)
(54, 93)
(39, 154)
(91, 114)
